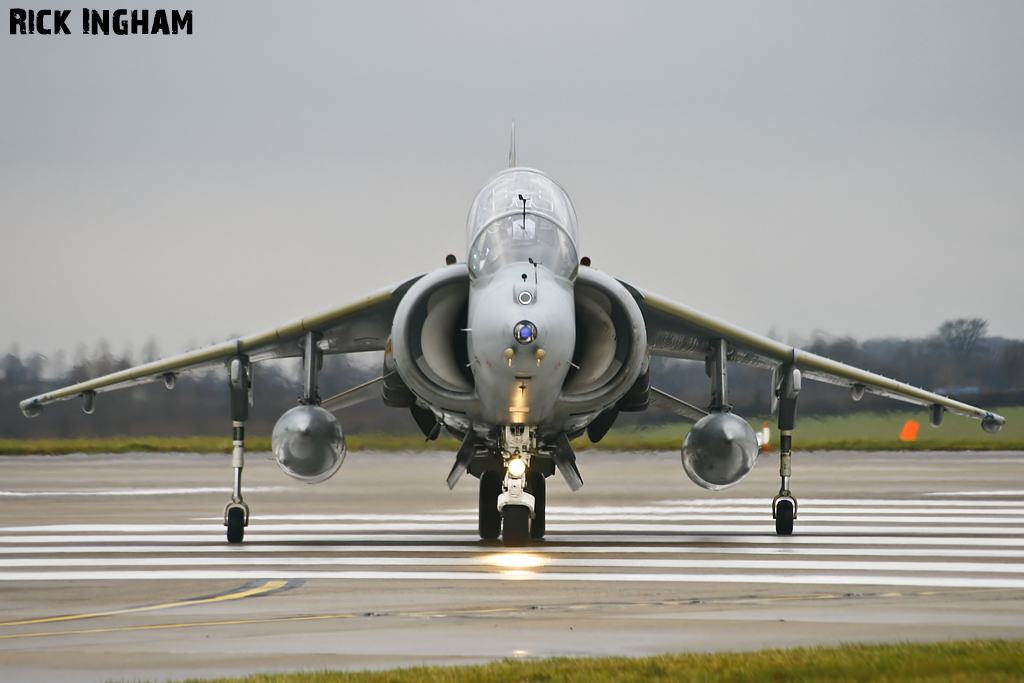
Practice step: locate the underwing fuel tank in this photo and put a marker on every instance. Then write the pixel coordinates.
(719, 451)
(308, 444)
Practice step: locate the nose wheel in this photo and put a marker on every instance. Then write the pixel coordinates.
(516, 525)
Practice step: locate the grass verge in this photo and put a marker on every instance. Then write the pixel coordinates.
(206, 444)
(641, 442)
(976, 660)
(398, 442)
(856, 432)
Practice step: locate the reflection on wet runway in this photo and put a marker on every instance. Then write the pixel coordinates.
(927, 541)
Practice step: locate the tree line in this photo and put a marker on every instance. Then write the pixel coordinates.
(959, 359)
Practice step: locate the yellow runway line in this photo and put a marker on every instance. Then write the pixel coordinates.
(483, 611)
(258, 590)
(157, 627)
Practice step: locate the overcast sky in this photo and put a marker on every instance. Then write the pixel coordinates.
(855, 168)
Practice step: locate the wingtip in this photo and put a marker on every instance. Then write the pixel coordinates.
(993, 423)
(30, 408)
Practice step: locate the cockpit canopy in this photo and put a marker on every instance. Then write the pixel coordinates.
(522, 214)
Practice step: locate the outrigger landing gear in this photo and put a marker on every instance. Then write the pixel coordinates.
(516, 505)
(236, 513)
(784, 505)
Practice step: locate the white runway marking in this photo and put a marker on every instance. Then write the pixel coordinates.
(980, 494)
(490, 561)
(264, 548)
(520, 575)
(215, 538)
(951, 543)
(598, 524)
(131, 492)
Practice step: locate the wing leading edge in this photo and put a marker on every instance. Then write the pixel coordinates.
(360, 325)
(678, 331)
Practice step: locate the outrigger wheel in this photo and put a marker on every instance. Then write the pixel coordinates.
(236, 524)
(784, 517)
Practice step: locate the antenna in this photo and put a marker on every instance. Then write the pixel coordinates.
(523, 200)
(512, 148)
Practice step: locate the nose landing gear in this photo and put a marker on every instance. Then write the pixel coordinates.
(517, 503)
(513, 499)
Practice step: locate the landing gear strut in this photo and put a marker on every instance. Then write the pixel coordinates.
(236, 513)
(784, 505)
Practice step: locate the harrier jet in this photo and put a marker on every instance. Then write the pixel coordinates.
(516, 351)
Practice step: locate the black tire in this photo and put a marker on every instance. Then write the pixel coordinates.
(516, 531)
(490, 517)
(236, 525)
(538, 487)
(784, 518)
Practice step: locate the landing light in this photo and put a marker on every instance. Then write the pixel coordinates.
(516, 467)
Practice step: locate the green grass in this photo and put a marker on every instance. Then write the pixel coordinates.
(977, 660)
(206, 444)
(857, 432)
(125, 444)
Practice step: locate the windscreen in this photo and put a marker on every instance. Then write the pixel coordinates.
(522, 215)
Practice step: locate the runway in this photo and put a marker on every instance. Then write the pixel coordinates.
(116, 566)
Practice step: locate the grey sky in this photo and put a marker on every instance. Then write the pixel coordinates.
(856, 168)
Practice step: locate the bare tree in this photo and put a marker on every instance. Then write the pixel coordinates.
(962, 335)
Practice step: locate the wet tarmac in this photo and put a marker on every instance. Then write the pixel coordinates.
(116, 566)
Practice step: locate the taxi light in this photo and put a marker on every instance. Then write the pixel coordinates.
(516, 467)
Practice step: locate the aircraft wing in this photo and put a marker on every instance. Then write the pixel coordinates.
(678, 331)
(360, 325)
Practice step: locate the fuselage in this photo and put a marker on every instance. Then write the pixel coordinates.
(522, 259)
(518, 334)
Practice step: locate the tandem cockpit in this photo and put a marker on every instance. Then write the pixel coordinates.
(522, 216)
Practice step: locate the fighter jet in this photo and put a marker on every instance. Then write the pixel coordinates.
(516, 351)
